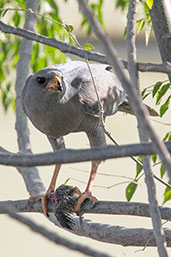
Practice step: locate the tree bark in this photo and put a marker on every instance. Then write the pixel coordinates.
(161, 20)
(30, 175)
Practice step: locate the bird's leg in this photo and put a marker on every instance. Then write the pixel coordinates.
(87, 193)
(48, 192)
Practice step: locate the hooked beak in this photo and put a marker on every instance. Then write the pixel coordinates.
(55, 84)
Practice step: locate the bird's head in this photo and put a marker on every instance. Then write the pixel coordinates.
(50, 80)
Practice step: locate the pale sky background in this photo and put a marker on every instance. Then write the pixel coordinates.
(16, 239)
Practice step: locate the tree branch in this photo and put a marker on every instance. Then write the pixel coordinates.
(161, 20)
(133, 73)
(101, 207)
(71, 156)
(65, 48)
(101, 232)
(51, 236)
(30, 175)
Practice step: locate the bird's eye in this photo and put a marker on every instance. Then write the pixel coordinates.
(41, 80)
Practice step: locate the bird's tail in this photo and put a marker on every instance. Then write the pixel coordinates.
(125, 107)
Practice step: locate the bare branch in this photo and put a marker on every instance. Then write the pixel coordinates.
(51, 236)
(71, 156)
(101, 232)
(30, 175)
(101, 207)
(133, 73)
(92, 56)
(161, 20)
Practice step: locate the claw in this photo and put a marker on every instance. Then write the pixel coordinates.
(43, 199)
(83, 197)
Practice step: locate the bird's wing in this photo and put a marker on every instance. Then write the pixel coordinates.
(109, 88)
(79, 84)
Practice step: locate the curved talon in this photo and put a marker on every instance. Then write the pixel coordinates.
(43, 199)
(83, 197)
(35, 198)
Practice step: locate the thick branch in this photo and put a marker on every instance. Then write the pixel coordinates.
(101, 207)
(71, 156)
(65, 48)
(51, 236)
(30, 175)
(103, 232)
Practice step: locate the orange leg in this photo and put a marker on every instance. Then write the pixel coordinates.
(87, 193)
(50, 189)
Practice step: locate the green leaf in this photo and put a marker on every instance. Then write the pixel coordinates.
(162, 171)
(16, 19)
(149, 4)
(125, 33)
(138, 167)
(162, 92)
(69, 28)
(148, 29)
(167, 195)
(141, 24)
(66, 181)
(167, 136)
(130, 190)
(88, 46)
(154, 158)
(165, 106)
(121, 4)
(53, 5)
(4, 12)
(156, 87)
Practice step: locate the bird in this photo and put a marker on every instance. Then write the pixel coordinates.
(61, 99)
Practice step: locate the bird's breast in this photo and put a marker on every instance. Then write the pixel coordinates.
(52, 118)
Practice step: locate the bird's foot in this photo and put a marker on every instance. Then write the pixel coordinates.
(43, 199)
(83, 197)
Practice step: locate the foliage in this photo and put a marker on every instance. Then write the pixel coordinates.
(97, 9)
(9, 44)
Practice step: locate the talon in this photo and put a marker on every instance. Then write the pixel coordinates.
(43, 199)
(83, 197)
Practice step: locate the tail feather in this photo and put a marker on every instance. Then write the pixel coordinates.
(125, 107)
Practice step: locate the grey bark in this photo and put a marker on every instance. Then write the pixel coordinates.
(161, 20)
(71, 156)
(30, 175)
(89, 55)
(101, 207)
(51, 236)
(101, 232)
(133, 73)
